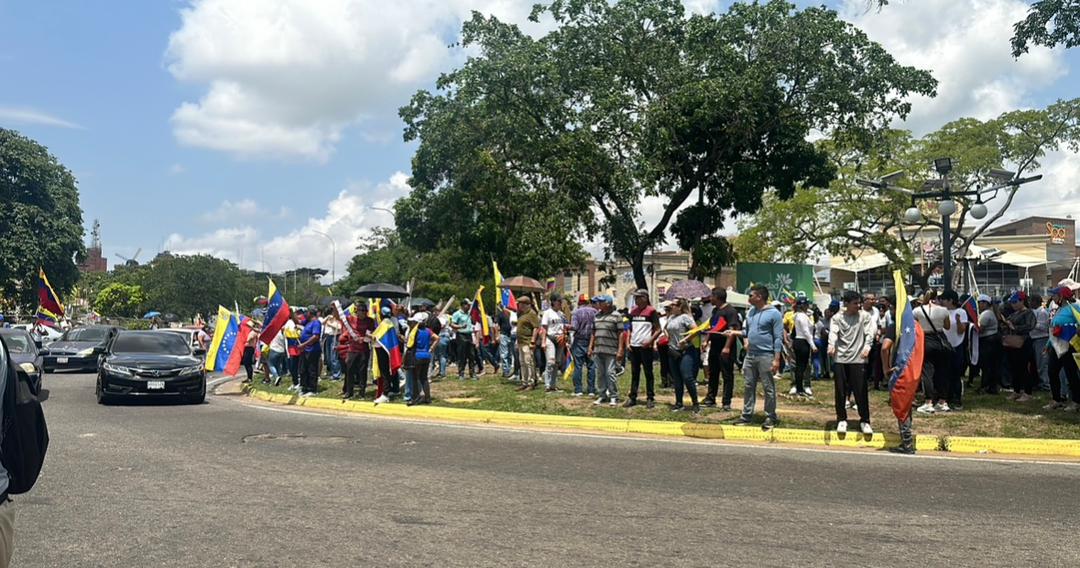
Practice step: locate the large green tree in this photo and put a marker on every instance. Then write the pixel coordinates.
(846, 217)
(630, 100)
(120, 300)
(40, 220)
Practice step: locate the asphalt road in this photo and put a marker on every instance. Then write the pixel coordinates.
(233, 484)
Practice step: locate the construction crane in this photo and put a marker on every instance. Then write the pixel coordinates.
(133, 261)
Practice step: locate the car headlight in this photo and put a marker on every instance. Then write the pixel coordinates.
(28, 368)
(117, 369)
(196, 370)
(85, 352)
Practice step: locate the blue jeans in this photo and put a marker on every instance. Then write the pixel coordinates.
(580, 353)
(757, 368)
(277, 363)
(329, 349)
(683, 369)
(505, 361)
(442, 355)
(408, 384)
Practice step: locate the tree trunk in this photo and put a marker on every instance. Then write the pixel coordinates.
(637, 264)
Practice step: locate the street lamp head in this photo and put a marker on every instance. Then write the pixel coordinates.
(893, 177)
(946, 207)
(943, 165)
(1001, 175)
(868, 183)
(912, 215)
(978, 210)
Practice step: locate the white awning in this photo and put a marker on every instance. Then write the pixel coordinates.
(975, 252)
(864, 261)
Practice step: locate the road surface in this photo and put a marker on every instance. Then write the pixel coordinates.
(229, 483)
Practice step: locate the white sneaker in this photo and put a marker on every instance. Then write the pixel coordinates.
(841, 427)
(381, 399)
(809, 392)
(307, 395)
(613, 402)
(579, 394)
(942, 407)
(599, 401)
(848, 404)
(1072, 407)
(866, 429)
(793, 391)
(926, 408)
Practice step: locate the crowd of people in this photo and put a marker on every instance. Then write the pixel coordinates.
(1014, 345)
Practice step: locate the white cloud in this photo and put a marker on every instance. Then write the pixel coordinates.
(177, 169)
(286, 78)
(243, 210)
(965, 43)
(22, 115)
(349, 218)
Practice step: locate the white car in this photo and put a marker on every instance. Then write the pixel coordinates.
(43, 333)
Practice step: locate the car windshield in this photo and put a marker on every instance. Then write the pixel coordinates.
(19, 342)
(87, 334)
(162, 343)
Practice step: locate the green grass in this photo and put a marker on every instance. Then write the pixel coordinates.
(983, 415)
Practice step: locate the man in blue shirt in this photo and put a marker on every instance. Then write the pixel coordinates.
(764, 342)
(310, 352)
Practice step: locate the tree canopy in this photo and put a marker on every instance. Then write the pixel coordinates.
(845, 217)
(1048, 23)
(40, 220)
(566, 136)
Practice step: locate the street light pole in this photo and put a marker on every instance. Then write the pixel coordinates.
(296, 267)
(333, 255)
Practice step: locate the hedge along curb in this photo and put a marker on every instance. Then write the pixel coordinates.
(954, 444)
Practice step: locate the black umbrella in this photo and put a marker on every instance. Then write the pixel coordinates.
(381, 290)
(326, 301)
(421, 302)
(171, 318)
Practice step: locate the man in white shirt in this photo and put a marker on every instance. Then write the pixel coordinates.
(956, 334)
(553, 337)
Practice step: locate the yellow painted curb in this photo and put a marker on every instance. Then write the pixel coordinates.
(1014, 446)
(956, 444)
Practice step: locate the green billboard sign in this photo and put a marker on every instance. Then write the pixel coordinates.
(783, 280)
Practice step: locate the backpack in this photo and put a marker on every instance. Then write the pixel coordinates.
(25, 434)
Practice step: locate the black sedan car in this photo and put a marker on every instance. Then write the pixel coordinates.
(78, 349)
(150, 363)
(25, 354)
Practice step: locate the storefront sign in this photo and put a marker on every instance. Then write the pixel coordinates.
(1056, 232)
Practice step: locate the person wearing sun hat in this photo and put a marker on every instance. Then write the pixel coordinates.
(1063, 327)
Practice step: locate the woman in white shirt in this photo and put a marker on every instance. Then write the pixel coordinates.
(956, 334)
(803, 345)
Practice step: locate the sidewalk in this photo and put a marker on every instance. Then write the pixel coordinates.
(829, 438)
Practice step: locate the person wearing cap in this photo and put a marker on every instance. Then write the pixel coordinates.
(989, 346)
(764, 343)
(804, 347)
(553, 326)
(582, 325)
(355, 350)
(644, 330)
(462, 324)
(605, 348)
(1063, 328)
(1017, 343)
(528, 335)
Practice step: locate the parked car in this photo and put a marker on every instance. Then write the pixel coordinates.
(79, 348)
(45, 334)
(189, 334)
(150, 363)
(25, 354)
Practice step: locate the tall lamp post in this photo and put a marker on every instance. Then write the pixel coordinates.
(939, 191)
(296, 267)
(333, 255)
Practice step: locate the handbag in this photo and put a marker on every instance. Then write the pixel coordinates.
(1012, 341)
(936, 341)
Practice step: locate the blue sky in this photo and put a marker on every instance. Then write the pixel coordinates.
(239, 127)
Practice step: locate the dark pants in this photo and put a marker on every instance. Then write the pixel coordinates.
(386, 381)
(990, 363)
(958, 363)
(1065, 363)
(1019, 360)
(356, 372)
(719, 364)
(853, 376)
(641, 357)
(874, 372)
(465, 354)
(248, 359)
(802, 364)
(421, 388)
(294, 369)
(665, 365)
(309, 371)
(935, 367)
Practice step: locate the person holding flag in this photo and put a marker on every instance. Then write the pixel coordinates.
(904, 366)
(721, 346)
(355, 349)
(1061, 351)
(48, 301)
(388, 357)
(682, 354)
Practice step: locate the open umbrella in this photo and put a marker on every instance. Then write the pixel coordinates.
(689, 289)
(381, 290)
(326, 301)
(171, 318)
(415, 302)
(151, 315)
(522, 284)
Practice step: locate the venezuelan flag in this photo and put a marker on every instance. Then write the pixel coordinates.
(224, 316)
(386, 338)
(506, 297)
(47, 297)
(277, 313)
(236, 352)
(907, 352)
(478, 315)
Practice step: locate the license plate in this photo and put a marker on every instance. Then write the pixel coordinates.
(61, 360)
(155, 385)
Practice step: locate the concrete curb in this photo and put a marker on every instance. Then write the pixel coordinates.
(952, 444)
